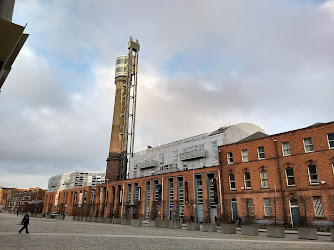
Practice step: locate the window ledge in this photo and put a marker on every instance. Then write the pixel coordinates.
(264, 187)
(233, 189)
(308, 152)
(267, 216)
(286, 155)
(314, 184)
(289, 186)
(319, 217)
(248, 188)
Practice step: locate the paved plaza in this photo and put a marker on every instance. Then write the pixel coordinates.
(67, 234)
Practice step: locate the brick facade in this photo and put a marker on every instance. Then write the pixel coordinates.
(276, 165)
(310, 176)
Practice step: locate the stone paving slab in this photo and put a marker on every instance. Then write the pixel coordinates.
(62, 234)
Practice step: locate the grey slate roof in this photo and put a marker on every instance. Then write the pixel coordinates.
(219, 131)
(255, 136)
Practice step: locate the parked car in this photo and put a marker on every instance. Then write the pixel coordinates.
(54, 214)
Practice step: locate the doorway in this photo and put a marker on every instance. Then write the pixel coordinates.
(294, 211)
(234, 209)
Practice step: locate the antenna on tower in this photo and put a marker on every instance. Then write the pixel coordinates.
(130, 98)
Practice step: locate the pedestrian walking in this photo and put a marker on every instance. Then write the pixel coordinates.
(25, 222)
(240, 221)
(17, 212)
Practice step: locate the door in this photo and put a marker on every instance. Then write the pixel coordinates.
(200, 200)
(294, 209)
(234, 210)
(213, 214)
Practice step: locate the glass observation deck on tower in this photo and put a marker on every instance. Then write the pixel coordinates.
(121, 66)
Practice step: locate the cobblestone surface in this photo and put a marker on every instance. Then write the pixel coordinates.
(57, 234)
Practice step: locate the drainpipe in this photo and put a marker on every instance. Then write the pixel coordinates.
(162, 197)
(220, 195)
(221, 186)
(280, 181)
(195, 204)
(122, 201)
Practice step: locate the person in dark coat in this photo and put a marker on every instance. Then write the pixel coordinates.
(240, 221)
(25, 222)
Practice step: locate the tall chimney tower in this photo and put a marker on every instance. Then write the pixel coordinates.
(115, 149)
(123, 127)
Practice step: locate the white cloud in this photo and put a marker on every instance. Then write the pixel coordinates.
(201, 66)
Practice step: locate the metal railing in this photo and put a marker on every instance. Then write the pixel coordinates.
(200, 153)
(147, 164)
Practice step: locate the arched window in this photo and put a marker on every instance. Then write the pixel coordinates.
(247, 180)
(231, 181)
(290, 178)
(264, 179)
(312, 171)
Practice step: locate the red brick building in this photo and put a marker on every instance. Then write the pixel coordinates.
(25, 199)
(289, 173)
(67, 201)
(260, 177)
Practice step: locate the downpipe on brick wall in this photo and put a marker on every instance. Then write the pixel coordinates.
(280, 181)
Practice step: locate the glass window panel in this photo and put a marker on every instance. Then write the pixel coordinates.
(244, 154)
(318, 207)
(308, 146)
(330, 138)
(229, 158)
(261, 153)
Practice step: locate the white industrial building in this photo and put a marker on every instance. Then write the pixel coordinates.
(190, 153)
(75, 179)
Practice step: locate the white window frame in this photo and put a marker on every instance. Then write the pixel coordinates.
(162, 158)
(333, 166)
(229, 158)
(286, 149)
(264, 179)
(308, 145)
(329, 141)
(258, 153)
(290, 176)
(318, 207)
(316, 173)
(267, 207)
(248, 180)
(243, 157)
(229, 179)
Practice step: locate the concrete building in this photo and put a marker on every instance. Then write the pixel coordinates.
(75, 179)
(191, 153)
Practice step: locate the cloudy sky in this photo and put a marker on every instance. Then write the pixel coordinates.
(202, 65)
